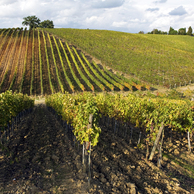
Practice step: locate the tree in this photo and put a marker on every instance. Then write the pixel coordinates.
(172, 31)
(189, 32)
(155, 31)
(31, 21)
(46, 24)
(164, 33)
(182, 31)
(141, 32)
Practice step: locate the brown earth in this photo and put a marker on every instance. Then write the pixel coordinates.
(44, 159)
(121, 166)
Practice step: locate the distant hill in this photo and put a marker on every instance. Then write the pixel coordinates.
(164, 60)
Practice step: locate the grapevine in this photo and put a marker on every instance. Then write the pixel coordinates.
(32, 75)
(75, 110)
(71, 69)
(11, 104)
(16, 68)
(142, 112)
(57, 72)
(26, 55)
(48, 66)
(64, 71)
(79, 70)
(40, 59)
(88, 72)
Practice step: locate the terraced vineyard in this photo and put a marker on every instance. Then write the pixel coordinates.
(164, 60)
(37, 63)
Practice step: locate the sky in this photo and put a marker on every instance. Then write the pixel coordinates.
(120, 15)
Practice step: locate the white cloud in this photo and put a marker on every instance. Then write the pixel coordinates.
(119, 24)
(6, 2)
(121, 15)
(107, 3)
(152, 9)
(178, 11)
(161, 1)
(161, 23)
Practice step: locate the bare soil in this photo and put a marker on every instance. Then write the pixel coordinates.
(45, 162)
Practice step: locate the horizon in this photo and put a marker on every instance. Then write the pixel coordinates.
(117, 15)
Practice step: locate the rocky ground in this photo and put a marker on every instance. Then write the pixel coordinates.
(121, 168)
(43, 160)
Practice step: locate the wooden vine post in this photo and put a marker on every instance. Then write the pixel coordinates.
(189, 142)
(160, 150)
(156, 141)
(87, 153)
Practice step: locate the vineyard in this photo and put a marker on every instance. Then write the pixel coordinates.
(150, 125)
(86, 136)
(159, 60)
(37, 63)
(146, 114)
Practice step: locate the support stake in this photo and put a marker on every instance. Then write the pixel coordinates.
(156, 141)
(189, 142)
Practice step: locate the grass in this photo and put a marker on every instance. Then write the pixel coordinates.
(157, 59)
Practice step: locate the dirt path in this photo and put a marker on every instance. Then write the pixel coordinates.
(46, 160)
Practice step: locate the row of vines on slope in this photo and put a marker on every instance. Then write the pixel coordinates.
(3, 72)
(48, 62)
(17, 62)
(163, 60)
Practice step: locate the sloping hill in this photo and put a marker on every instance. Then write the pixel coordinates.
(157, 59)
(37, 63)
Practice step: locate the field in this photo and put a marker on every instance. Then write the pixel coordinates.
(158, 59)
(83, 129)
(36, 63)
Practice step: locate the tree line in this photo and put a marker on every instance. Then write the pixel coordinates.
(34, 22)
(172, 31)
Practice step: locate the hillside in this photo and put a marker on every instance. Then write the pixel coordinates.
(36, 63)
(158, 59)
(41, 148)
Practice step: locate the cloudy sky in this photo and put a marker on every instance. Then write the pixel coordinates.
(120, 15)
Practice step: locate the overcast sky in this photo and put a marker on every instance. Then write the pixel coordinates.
(120, 15)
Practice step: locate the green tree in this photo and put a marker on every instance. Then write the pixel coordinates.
(189, 32)
(154, 31)
(164, 33)
(182, 31)
(47, 24)
(31, 21)
(172, 31)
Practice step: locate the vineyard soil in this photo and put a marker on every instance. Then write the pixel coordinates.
(46, 162)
